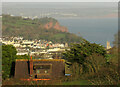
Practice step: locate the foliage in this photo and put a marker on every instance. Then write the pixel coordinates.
(79, 52)
(94, 68)
(22, 56)
(116, 39)
(94, 63)
(8, 56)
(89, 61)
(107, 74)
(8, 60)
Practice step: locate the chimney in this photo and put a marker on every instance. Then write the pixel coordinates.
(31, 66)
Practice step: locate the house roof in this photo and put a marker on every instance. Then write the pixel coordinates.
(41, 60)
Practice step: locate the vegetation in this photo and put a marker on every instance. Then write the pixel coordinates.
(116, 41)
(34, 29)
(77, 82)
(82, 57)
(8, 60)
(79, 52)
(8, 57)
(22, 56)
(91, 62)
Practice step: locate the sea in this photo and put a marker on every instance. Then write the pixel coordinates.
(95, 30)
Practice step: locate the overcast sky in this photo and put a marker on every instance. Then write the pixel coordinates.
(106, 9)
(60, 0)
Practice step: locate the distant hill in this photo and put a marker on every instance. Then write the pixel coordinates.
(43, 28)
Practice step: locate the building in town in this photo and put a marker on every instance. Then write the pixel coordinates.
(108, 45)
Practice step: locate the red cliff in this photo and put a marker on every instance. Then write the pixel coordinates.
(56, 26)
(48, 25)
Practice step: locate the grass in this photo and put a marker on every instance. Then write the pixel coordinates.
(59, 35)
(78, 82)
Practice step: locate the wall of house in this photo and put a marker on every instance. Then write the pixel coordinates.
(22, 68)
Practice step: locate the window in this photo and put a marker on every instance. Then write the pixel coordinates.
(42, 69)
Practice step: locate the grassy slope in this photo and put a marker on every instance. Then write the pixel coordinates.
(33, 29)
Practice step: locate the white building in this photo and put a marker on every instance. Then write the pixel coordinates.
(16, 45)
(27, 42)
(22, 53)
(55, 50)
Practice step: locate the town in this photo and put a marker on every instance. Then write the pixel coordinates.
(37, 48)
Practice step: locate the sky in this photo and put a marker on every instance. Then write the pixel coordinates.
(60, 0)
(77, 8)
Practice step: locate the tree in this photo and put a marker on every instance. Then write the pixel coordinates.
(8, 57)
(116, 41)
(22, 57)
(79, 54)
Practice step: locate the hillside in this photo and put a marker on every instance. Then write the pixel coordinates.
(43, 28)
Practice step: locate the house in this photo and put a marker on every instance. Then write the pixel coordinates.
(55, 50)
(39, 69)
(16, 45)
(22, 53)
